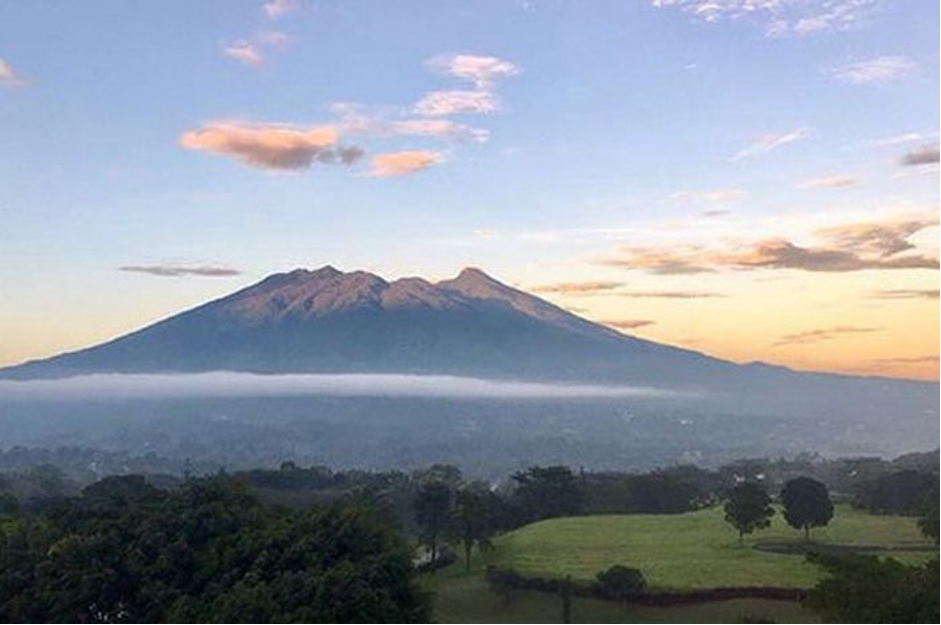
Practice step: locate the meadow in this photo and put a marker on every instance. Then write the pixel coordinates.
(675, 552)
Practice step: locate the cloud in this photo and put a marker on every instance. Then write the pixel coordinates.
(670, 294)
(828, 182)
(926, 155)
(482, 71)
(577, 288)
(822, 334)
(906, 294)
(358, 119)
(902, 360)
(883, 69)
(768, 142)
(907, 137)
(846, 247)
(271, 146)
(232, 384)
(712, 195)
(404, 162)
(628, 324)
(715, 212)
(880, 71)
(456, 101)
(252, 51)
(176, 271)
(274, 9)
(8, 76)
(780, 18)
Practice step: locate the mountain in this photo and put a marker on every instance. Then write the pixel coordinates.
(330, 321)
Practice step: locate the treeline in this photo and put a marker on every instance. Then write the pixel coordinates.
(205, 551)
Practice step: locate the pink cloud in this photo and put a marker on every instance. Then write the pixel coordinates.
(439, 103)
(404, 162)
(480, 70)
(271, 146)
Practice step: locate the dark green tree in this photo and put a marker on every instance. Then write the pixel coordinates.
(748, 508)
(433, 507)
(546, 492)
(621, 583)
(806, 504)
(867, 589)
(928, 523)
(474, 516)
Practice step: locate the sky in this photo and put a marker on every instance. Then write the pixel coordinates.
(754, 179)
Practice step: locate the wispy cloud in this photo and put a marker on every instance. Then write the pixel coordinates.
(768, 142)
(780, 18)
(358, 119)
(9, 76)
(275, 9)
(712, 195)
(846, 247)
(178, 271)
(906, 360)
(881, 70)
(823, 334)
(271, 146)
(828, 182)
(925, 155)
(482, 71)
(670, 294)
(253, 51)
(456, 102)
(578, 288)
(907, 137)
(390, 164)
(628, 324)
(906, 294)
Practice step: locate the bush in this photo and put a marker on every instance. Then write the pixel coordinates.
(621, 583)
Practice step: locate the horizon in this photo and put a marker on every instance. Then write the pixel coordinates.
(768, 191)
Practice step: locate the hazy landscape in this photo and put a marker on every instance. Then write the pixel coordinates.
(469, 312)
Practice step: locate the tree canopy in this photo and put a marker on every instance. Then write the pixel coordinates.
(127, 552)
(748, 508)
(806, 504)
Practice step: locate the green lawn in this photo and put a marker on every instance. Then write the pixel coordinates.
(694, 550)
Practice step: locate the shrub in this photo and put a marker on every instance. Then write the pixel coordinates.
(621, 582)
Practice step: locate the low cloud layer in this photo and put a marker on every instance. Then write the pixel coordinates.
(828, 182)
(178, 271)
(230, 384)
(906, 294)
(628, 324)
(671, 294)
(272, 146)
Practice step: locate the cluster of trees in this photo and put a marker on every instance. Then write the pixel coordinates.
(805, 501)
(126, 551)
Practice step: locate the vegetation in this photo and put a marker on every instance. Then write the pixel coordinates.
(126, 551)
(806, 504)
(748, 508)
(865, 589)
(695, 550)
(621, 582)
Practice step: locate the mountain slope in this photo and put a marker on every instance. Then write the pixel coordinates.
(330, 321)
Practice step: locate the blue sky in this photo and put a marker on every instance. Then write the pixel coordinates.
(602, 138)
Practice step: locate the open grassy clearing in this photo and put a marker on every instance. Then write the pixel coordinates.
(693, 550)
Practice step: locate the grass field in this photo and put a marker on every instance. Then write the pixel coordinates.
(694, 550)
(676, 552)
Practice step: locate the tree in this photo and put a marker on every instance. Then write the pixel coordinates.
(433, 513)
(548, 492)
(474, 519)
(928, 523)
(621, 583)
(748, 508)
(867, 589)
(806, 504)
